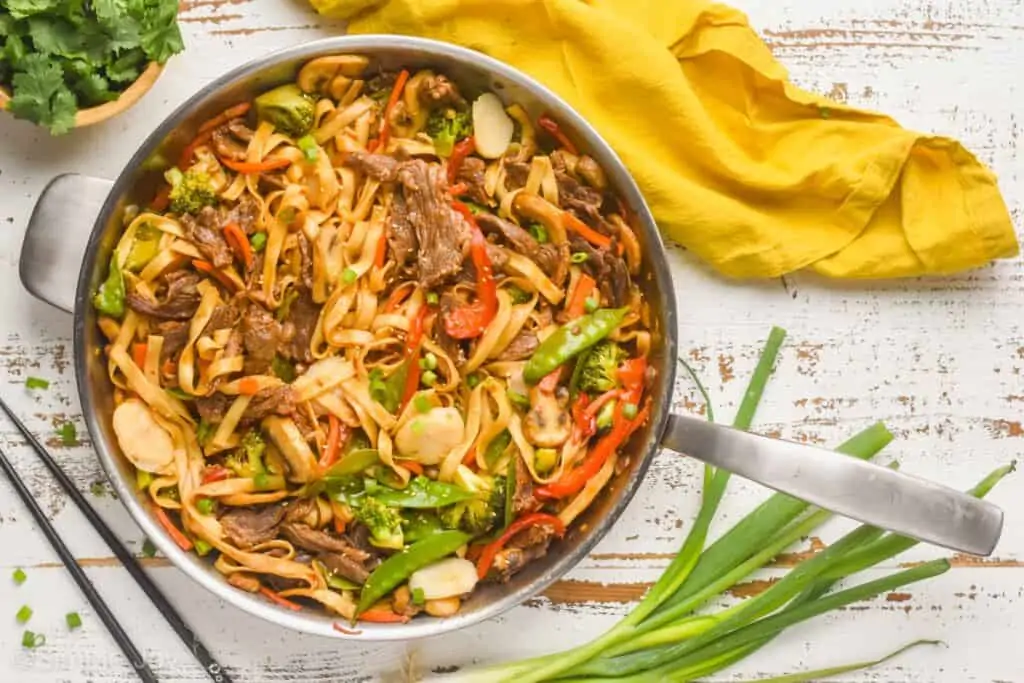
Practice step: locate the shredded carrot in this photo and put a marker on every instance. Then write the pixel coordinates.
(139, 354)
(339, 525)
(585, 231)
(235, 236)
(382, 249)
(411, 465)
(469, 459)
(248, 386)
(207, 267)
(259, 167)
(172, 531)
(162, 199)
(185, 160)
(385, 124)
(283, 602)
(225, 116)
(397, 297)
(578, 303)
(382, 616)
(333, 446)
(347, 631)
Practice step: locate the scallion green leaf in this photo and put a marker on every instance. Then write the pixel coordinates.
(24, 614)
(32, 640)
(68, 434)
(36, 383)
(73, 620)
(19, 576)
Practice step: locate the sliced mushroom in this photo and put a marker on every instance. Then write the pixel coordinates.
(541, 210)
(317, 74)
(226, 146)
(287, 437)
(592, 173)
(143, 441)
(548, 424)
(339, 86)
(427, 438)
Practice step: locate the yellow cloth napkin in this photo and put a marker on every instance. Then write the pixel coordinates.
(754, 175)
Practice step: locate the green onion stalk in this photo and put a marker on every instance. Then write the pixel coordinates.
(662, 639)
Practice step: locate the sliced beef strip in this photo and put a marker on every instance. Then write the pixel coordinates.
(440, 232)
(205, 232)
(471, 174)
(262, 337)
(250, 526)
(521, 347)
(523, 499)
(241, 131)
(223, 317)
(516, 174)
(608, 270)
(213, 408)
(344, 567)
(303, 315)
(554, 261)
(523, 548)
(179, 303)
(278, 400)
(382, 167)
(580, 199)
(314, 540)
(175, 336)
(439, 90)
(401, 234)
(245, 212)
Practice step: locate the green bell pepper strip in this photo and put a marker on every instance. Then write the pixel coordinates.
(110, 297)
(570, 340)
(400, 566)
(424, 492)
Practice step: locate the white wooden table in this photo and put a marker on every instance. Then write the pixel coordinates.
(939, 360)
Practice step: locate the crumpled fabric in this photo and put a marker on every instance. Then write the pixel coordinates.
(754, 175)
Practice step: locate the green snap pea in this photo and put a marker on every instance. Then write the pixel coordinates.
(110, 297)
(570, 340)
(424, 492)
(420, 524)
(400, 566)
(354, 462)
(144, 248)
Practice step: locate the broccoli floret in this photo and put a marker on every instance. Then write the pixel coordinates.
(478, 515)
(191, 190)
(247, 460)
(600, 368)
(288, 108)
(446, 127)
(384, 523)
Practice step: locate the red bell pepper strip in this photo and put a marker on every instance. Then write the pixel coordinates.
(585, 231)
(491, 550)
(411, 465)
(335, 435)
(187, 154)
(385, 124)
(470, 321)
(553, 128)
(585, 422)
(258, 167)
(413, 341)
(578, 304)
(462, 149)
(631, 374)
(213, 473)
(162, 199)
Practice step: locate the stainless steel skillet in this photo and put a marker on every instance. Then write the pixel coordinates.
(76, 224)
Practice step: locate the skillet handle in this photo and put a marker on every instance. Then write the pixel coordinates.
(58, 232)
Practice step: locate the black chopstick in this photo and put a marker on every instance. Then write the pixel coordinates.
(213, 669)
(108, 618)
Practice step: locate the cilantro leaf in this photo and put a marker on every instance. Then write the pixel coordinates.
(127, 67)
(40, 95)
(22, 9)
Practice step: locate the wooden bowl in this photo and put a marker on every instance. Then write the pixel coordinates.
(93, 115)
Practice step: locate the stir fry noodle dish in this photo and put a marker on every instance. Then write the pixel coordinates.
(376, 340)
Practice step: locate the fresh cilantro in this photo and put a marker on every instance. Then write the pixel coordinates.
(58, 56)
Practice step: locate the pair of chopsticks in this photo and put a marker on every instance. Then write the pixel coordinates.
(213, 669)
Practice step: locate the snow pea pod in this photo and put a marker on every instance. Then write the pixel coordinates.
(570, 340)
(424, 492)
(400, 566)
(111, 295)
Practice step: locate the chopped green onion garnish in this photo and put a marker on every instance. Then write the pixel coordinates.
(206, 506)
(432, 298)
(286, 216)
(349, 276)
(429, 378)
(520, 400)
(590, 304)
(68, 434)
(204, 432)
(148, 549)
(579, 257)
(539, 232)
(24, 614)
(629, 411)
(258, 241)
(202, 547)
(431, 361)
(36, 383)
(472, 380)
(73, 620)
(307, 143)
(176, 392)
(32, 640)
(422, 404)
(416, 427)
(19, 576)
(418, 598)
